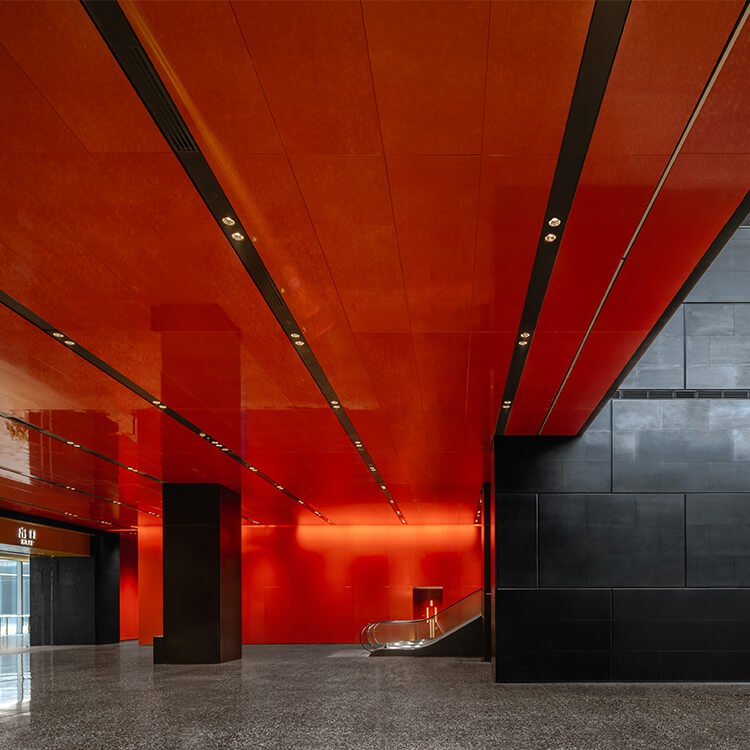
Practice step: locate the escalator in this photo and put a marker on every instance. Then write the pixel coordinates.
(454, 631)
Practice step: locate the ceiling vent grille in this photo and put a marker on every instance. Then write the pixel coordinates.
(148, 84)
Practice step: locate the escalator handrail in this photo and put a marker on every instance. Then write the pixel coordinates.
(364, 639)
(364, 634)
(426, 619)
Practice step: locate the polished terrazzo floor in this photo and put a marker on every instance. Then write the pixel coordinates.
(331, 697)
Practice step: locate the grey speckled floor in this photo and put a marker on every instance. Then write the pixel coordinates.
(318, 697)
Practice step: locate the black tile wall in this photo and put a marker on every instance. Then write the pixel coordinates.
(648, 510)
(552, 635)
(728, 277)
(718, 540)
(681, 634)
(516, 540)
(611, 540)
(717, 345)
(556, 464)
(681, 446)
(663, 364)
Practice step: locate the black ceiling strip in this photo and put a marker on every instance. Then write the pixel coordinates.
(734, 223)
(73, 346)
(605, 29)
(127, 49)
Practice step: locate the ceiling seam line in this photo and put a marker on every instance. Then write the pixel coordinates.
(396, 237)
(718, 67)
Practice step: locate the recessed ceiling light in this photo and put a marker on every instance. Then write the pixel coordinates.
(295, 335)
(202, 434)
(156, 402)
(228, 221)
(162, 406)
(506, 402)
(70, 442)
(58, 335)
(525, 335)
(334, 402)
(391, 502)
(554, 222)
(76, 445)
(225, 449)
(506, 406)
(382, 486)
(337, 406)
(372, 468)
(238, 236)
(279, 487)
(300, 502)
(252, 468)
(523, 343)
(299, 343)
(550, 237)
(69, 342)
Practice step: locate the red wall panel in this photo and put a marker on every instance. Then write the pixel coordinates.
(321, 585)
(128, 587)
(150, 603)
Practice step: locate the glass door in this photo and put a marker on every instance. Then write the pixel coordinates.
(14, 602)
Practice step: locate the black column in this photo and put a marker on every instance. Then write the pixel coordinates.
(202, 575)
(487, 573)
(76, 600)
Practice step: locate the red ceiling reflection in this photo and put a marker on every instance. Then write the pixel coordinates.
(393, 162)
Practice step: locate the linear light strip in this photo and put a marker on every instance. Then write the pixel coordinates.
(739, 24)
(602, 41)
(127, 49)
(69, 343)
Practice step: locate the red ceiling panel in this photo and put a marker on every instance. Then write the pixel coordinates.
(534, 52)
(350, 206)
(722, 126)
(407, 274)
(435, 205)
(62, 53)
(428, 65)
(311, 60)
(656, 81)
(209, 32)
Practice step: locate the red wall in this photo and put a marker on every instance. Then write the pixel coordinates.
(150, 605)
(310, 584)
(128, 587)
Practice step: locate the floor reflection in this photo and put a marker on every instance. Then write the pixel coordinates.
(15, 683)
